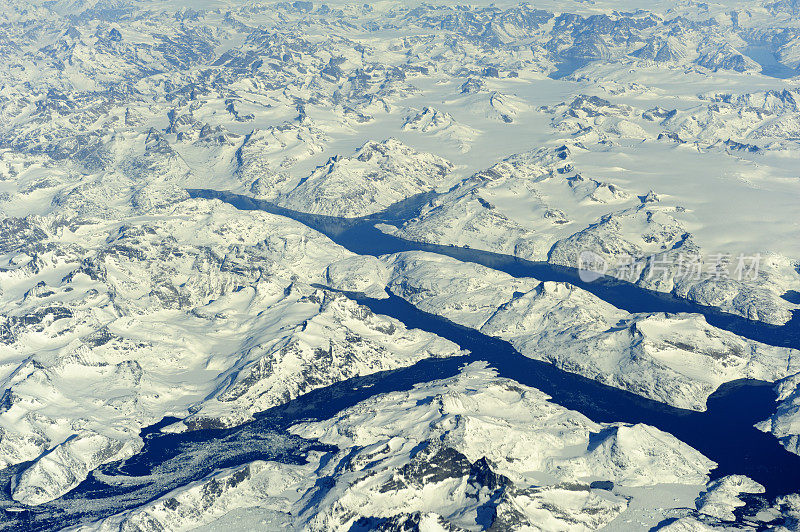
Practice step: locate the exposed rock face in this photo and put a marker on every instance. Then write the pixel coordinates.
(380, 174)
(64, 467)
(194, 312)
(454, 454)
(656, 139)
(676, 359)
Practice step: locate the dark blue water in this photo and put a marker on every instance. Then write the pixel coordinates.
(724, 433)
(166, 462)
(360, 236)
(565, 68)
(732, 410)
(770, 66)
(792, 296)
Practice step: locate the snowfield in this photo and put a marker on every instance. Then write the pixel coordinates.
(451, 452)
(158, 350)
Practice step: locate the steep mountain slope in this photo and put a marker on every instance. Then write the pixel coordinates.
(155, 345)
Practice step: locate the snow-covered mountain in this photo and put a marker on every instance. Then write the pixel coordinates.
(379, 175)
(200, 204)
(470, 451)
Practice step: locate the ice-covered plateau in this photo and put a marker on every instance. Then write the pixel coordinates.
(645, 134)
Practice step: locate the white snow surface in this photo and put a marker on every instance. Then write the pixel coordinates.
(678, 359)
(437, 454)
(658, 130)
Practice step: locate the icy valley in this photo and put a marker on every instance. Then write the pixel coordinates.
(400, 266)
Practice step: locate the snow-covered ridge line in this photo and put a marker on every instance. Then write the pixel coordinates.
(466, 451)
(732, 409)
(479, 134)
(359, 236)
(265, 437)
